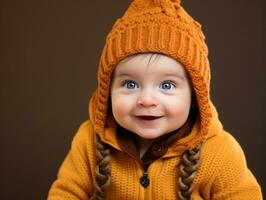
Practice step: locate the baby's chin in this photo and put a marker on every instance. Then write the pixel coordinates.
(148, 134)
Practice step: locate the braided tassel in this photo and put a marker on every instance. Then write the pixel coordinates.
(188, 169)
(102, 171)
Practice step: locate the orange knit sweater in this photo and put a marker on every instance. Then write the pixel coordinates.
(223, 172)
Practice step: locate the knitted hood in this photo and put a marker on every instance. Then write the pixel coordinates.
(160, 26)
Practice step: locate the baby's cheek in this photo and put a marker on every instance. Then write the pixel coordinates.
(119, 107)
(178, 108)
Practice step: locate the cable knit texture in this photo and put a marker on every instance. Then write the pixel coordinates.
(97, 168)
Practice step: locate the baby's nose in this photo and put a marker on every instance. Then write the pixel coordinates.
(146, 99)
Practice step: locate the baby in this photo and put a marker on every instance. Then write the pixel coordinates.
(153, 131)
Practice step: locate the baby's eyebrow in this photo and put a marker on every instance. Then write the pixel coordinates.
(174, 75)
(123, 74)
(168, 75)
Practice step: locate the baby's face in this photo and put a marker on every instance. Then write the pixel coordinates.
(150, 99)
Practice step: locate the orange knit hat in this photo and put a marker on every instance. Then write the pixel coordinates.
(160, 26)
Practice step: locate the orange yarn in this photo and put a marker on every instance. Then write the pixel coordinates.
(161, 26)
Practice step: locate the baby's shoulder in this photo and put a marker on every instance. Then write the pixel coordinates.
(86, 127)
(84, 135)
(223, 142)
(222, 149)
(220, 155)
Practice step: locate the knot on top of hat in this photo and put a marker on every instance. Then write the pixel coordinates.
(169, 6)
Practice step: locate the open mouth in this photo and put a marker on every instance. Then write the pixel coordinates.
(149, 117)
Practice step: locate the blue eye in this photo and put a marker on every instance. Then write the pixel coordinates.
(167, 85)
(130, 85)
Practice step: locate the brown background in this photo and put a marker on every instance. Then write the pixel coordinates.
(49, 55)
